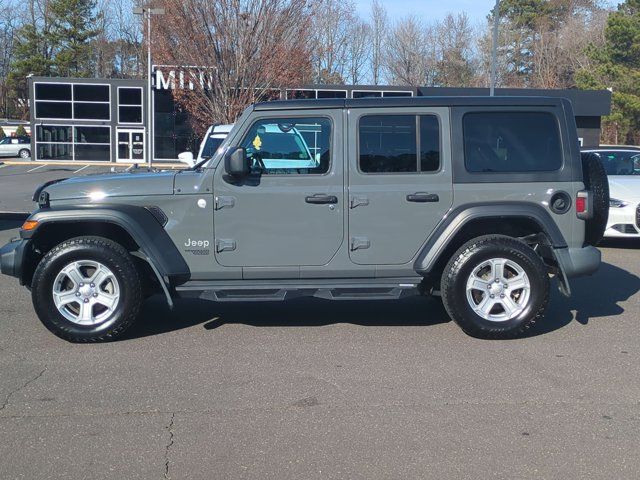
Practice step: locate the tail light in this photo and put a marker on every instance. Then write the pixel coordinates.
(584, 205)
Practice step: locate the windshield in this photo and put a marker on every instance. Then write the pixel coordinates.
(211, 146)
(621, 163)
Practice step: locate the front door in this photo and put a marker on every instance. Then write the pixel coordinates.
(130, 145)
(400, 183)
(289, 211)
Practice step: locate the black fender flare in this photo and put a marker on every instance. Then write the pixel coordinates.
(457, 218)
(138, 222)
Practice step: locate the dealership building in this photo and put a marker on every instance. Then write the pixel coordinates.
(83, 119)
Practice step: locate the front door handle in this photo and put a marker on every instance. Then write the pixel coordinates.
(319, 199)
(423, 197)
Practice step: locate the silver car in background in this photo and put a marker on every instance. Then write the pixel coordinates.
(622, 165)
(15, 147)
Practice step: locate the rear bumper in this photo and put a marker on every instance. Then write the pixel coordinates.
(12, 258)
(577, 262)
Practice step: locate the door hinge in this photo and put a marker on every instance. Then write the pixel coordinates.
(357, 201)
(222, 202)
(360, 243)
(225, 245)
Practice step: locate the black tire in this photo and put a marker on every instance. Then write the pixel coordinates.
(465, 262)
(24, 153)
(92, 249)
(596, 181)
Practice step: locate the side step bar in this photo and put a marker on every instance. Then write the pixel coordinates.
(277, 291)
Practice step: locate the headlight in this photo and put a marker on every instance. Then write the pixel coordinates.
(615, 203)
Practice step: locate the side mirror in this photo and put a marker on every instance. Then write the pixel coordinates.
(236, 162)
(186, 157)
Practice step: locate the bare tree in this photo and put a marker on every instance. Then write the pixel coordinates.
(358, 51)
(235, 52)
(410, 53)
(331, 29)
(455, 39)
(379, 27)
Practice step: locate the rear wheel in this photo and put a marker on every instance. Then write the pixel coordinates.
(495, 287)
(87, 289)
(24, 153)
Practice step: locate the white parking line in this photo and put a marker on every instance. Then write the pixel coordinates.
(80, 169)
(36, 168)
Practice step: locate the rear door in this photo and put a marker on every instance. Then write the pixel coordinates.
(400, 182)
(290, 211)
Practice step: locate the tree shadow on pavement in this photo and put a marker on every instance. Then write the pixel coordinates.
(593, 297)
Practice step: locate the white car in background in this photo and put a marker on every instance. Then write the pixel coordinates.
(212, 140)
(622, 165)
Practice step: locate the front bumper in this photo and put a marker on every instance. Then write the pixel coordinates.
(625, 221)
(578, 262)
(12, 258)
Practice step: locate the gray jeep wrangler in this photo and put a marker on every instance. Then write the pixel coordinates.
(478, 200)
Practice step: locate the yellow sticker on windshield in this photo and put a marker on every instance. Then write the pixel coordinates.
(257, 142)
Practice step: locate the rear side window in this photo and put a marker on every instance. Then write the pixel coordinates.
(399, 143)
(511, 142)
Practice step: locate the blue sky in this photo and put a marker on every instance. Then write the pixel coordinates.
(477, 10)
(431, 9)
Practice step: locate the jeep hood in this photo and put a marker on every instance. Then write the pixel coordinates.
(624, 187)
(99, 187)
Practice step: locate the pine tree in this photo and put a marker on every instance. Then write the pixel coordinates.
(2, 134)
(21, 131)
(74, 26)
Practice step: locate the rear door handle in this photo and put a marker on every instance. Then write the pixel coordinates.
(319, 199)
(423, 197)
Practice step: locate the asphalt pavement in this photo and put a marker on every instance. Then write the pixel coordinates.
(310, 389)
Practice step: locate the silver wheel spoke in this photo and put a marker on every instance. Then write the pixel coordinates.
(517, 283)
(497, 268)
(73, 272)
(478, 284)
(486, 305)
(510, 307)
(100, 276)
(64, 298)
(86, 312)
(107, 300)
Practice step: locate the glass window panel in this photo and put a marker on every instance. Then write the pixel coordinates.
(93, 135)
(54, 151)
(365, 94)
(165, 147)
(91, 111)
(52, 91)
(53, 110)
(396, 94)
(429, 143)
(289, 145)
(130, 114)
(511, 142)
(388, 144)
(53, 133)
(90, 93)
(163, 101)
(130, 96)
(332, 94)
(92, 152)
(300, 94)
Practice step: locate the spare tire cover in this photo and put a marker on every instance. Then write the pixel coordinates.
(595, 180)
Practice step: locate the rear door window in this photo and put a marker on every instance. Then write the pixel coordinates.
(511, 142)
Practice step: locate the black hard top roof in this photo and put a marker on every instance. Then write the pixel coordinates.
(408, 102)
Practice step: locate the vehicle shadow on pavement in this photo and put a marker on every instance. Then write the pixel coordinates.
(626, 243)
(592, 297)
(156, 318)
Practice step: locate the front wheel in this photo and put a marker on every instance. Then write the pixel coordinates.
(495, 287)
(87, 289)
